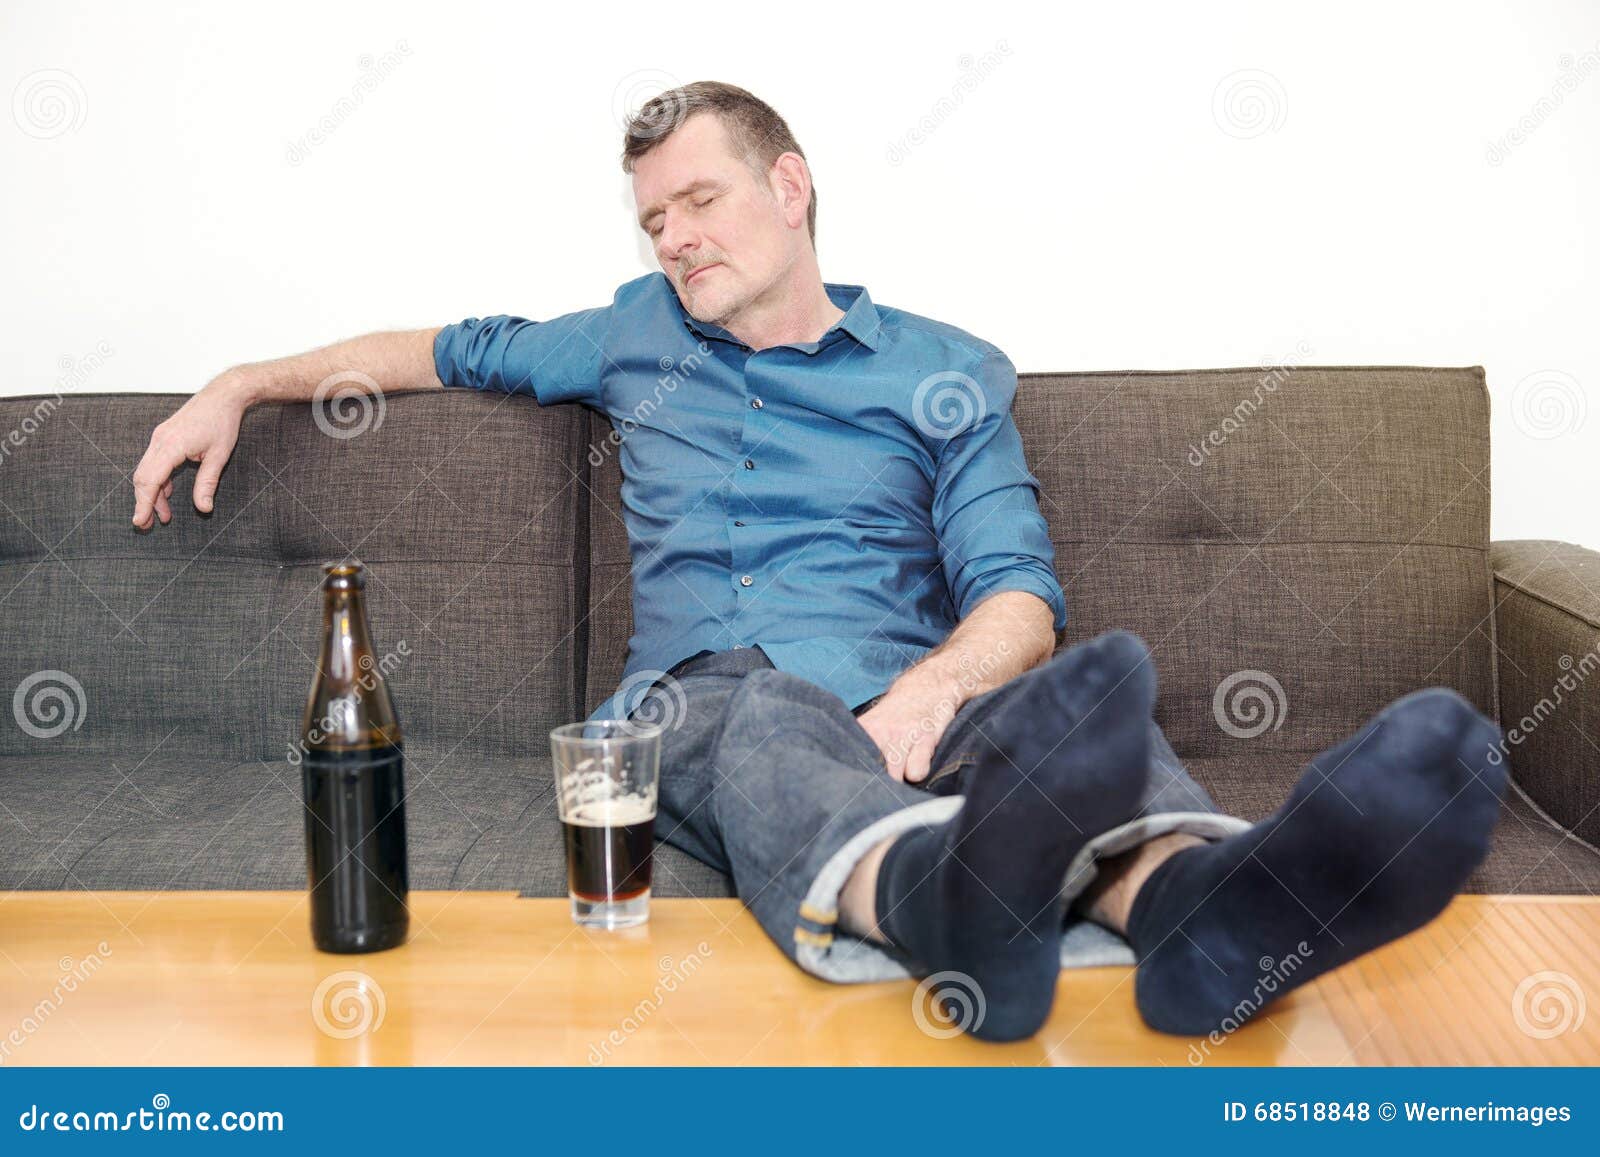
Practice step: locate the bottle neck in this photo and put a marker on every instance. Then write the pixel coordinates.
(349, 705)
(346, 646)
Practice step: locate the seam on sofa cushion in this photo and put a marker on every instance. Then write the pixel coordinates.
(1553, 604)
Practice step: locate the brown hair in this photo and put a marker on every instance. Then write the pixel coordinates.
(755, 130)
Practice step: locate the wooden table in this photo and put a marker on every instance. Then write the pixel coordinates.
(231, 978)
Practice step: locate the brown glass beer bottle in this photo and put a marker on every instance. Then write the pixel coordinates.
(352, 771)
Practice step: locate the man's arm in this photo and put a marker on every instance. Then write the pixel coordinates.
(1007, 633)
(206, 427)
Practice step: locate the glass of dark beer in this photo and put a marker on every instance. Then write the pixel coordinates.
(607, 771)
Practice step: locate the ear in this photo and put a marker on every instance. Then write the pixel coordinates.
(790, 180)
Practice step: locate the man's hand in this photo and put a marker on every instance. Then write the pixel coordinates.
(906, 726)
(203, 430)
(1003, 636)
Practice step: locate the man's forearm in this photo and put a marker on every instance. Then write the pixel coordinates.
(393, 362)
(1006, 634)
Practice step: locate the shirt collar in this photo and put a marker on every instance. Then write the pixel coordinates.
(861, 320)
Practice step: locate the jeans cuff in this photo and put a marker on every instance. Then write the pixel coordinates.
(840, 957)
(846, 959)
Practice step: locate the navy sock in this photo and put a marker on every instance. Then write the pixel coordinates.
(980, 895)
(1375, 839)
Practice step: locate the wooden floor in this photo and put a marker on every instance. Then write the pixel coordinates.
(213, 978)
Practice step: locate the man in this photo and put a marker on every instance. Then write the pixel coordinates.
(845, 599)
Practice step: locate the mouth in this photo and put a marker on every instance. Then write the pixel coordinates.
(700, 270)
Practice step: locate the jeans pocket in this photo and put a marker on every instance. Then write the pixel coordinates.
(945, 780)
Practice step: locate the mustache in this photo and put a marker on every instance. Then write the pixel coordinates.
(685, 270)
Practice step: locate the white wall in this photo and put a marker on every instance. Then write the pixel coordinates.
(1094, 202)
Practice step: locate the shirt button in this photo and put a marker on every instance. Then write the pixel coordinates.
(736, 522)
(738, 646)
(745, 580)
(749, 464)
(756, 403)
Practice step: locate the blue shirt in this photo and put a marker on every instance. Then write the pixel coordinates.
(842, 503)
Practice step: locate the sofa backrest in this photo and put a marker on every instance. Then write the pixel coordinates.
(1309, 543)
(201, 636)
(1313, 541)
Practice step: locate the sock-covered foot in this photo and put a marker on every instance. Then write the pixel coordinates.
(1375, 839)
(980, 896)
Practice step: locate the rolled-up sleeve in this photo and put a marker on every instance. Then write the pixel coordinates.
(558, 360)
(986, 502)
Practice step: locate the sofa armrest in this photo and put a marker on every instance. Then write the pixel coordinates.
(1547, 627)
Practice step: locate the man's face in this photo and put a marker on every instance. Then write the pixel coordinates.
(718, 230)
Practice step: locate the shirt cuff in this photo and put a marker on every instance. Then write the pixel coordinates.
(1048, 590)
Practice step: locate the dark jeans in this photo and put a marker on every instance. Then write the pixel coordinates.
(771, 780)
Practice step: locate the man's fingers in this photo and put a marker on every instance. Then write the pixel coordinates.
(918, 762)
(152, 474)
(163, 506)
(205, 482)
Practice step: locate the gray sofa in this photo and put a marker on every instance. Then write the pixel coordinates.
(1330, 533)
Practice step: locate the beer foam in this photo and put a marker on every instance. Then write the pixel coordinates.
(612, 813)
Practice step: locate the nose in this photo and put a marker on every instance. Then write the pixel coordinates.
(677, 239)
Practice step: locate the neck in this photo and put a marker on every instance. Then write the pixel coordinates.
(795, 308)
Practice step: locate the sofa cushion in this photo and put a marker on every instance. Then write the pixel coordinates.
(201, 636)
(54, 809)
(1333, 535)
(79, 822)
(1530, 855)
